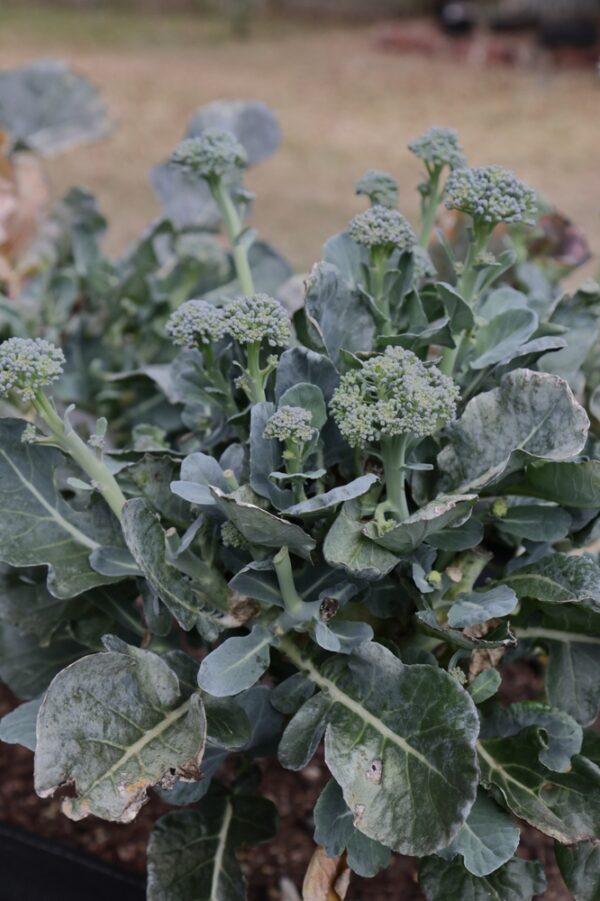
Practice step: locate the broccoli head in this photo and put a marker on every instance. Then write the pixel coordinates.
(256, 318)
(491, 195)
(195, 322)
(212, 155)
(380, 187)
(29, 364)
(380, 227)
(291, 424)
(394, 393)
(439, 147)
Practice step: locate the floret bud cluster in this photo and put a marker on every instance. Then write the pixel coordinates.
(28, 364)
(491, 194)
(212, 155)
(394, 393)
(292, 424)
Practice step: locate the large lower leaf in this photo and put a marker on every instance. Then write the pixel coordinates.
(579, 866)
(444, 511)
(574, 484)
(28, 668)
(487, 840)
(335, 831)
(518, 880)
(185, 599)
(571, 636)
(18, 726)
(38, 527)
(531, 414)
(400, 743)
(47, 108)
(114, 724)
(565, 806)
(561, 735)
(191, 853)
(558, 579)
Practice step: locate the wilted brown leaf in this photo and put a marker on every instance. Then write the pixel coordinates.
(327, 878)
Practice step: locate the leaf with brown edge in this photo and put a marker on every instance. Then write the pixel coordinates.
(112, 725)
(327, 878)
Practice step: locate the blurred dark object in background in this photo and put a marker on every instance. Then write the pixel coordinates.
(456, 19)
(579, 33)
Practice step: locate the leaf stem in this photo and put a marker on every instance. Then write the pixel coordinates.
(70, 442)
(283, 568)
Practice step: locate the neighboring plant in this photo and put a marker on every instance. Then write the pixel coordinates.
(384, 503)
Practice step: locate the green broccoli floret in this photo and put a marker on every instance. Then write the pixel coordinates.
(380, 187)
(491, 195)
(27, 365)
(290, 424)
(212, 155)
(439, 147)
(393, 394)
(232, 537)
(382, 228)
(256, 318)
(195, 322)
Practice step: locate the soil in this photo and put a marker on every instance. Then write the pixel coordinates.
(285, 858)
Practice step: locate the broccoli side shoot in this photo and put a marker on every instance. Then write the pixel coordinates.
(380, 187)
(27, 365)
(380, 227)
(256, 318)
(439, 147)
(212, 155)
(195, 322)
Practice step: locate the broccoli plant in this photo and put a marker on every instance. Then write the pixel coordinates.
(345, 529)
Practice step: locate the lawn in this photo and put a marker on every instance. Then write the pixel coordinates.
(343, 105)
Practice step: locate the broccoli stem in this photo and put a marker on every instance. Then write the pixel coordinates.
(255, 373)
(379, 264)
(283, 568)
(233, 227)
(466, 287)
(393, 455)
(81, 453)
(430, 205)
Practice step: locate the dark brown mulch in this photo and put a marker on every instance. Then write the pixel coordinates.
(285, 857)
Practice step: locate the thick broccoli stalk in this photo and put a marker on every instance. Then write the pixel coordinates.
(439, 149)
(382, 231)
(380, 187)
(293, 427)
(218, 158)
(27, 367)
(254, 321)
(392, 402)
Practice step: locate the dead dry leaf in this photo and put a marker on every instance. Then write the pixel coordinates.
(327, 878)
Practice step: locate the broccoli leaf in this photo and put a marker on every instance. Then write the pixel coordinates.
(530, 415)
(38, 526)
(396, 735)
(125, 710)
(191, 853)
(519, 880)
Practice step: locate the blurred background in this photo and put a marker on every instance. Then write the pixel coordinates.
(351, 81)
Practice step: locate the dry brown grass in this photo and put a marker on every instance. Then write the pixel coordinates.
(343, 107)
